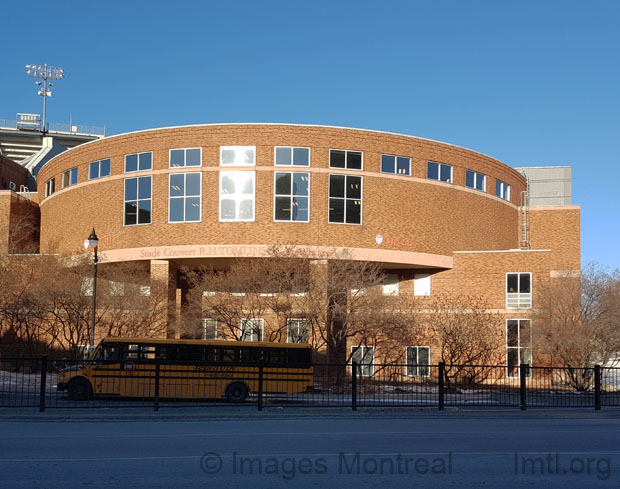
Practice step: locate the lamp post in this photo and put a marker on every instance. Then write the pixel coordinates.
(93, 242)
(45, 73)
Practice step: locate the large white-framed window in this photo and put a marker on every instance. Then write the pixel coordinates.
(252, 329)
(502, 190)
(50, 187)
(518, 290)
(237, 195)
(184, 157)
(345, 199)
(209, 329)
(69, 177)
(296, 330)
(422, 284)
(518, 344)
(291, 156)
(399, 165)
(237, 155)
(439, 171)
(418, 361)
(346, 159)
(139, 162)
(99, 169)
(117, 289)
(475, 180)
(138, 200)
(390, 284)
(291, 196)
(364, 356)
(184, 197)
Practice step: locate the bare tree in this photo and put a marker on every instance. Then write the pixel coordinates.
(468, 335)
(577, 321)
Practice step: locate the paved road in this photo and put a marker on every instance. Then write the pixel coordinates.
(309, 452)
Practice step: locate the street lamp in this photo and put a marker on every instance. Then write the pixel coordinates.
(93, 242)
(45, 73)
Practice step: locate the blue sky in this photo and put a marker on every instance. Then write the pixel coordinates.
(528, 82)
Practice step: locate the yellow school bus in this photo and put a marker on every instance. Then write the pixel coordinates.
(189, 369)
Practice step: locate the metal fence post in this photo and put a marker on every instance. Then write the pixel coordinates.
(597, 387)
(440, 382)
(43, 383)
(260, 388)
(157, 376)
(354, 386)
(523, 372)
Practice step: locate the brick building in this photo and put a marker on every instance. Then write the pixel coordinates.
(440, 219)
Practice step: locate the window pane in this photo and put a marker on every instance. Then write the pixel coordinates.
(479, 181)
(176, 210)
(192, 157)
(248, 183)
(192, 209)
(283, 183)
(336, 210)
(246, 209)
(402, 165)
(177, 185)
(228, 184)
(469, 179)
(301, 156)
(283, 208)
(144, 211)
(513, 362)
(131, 189)
(354, 160)
(145, 161)
(445, 173)
(354, 212)
(104, 169)
(227, 157)
(424, 355)
(300, 184)
(525, 339)
(283, 156)
(144, 188)
(354, 187)
(336, 185)
(432, 170)
(498, 188)
(131, 163)
(512, 336)
(300, 209)
(247, 156)
(227, 210)
(74, 176)
(412, 355)
(192, 183)
(512, 282)
(93, 170)
(388, 164)
(177, 157)
(524, 283)
(131, 214)
(337, 158)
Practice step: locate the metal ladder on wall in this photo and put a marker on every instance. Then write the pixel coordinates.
(524, 216)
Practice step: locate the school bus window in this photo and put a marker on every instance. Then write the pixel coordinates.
(147, 352)
(229, 355)
(131, 352)
(111, 354)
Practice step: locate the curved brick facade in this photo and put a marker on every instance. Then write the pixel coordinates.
(412, 213)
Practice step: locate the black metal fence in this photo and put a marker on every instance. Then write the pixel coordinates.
(34, 382)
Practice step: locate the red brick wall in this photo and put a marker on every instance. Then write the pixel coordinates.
(431, 217)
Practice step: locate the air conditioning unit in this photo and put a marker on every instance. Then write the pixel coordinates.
(12, 186)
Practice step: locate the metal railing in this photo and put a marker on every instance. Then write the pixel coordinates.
(33, 382)
(55, 127)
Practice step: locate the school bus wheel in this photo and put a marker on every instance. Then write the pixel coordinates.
(79, 389)
(236, 392)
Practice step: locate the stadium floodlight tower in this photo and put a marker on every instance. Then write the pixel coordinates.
(45, 73)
